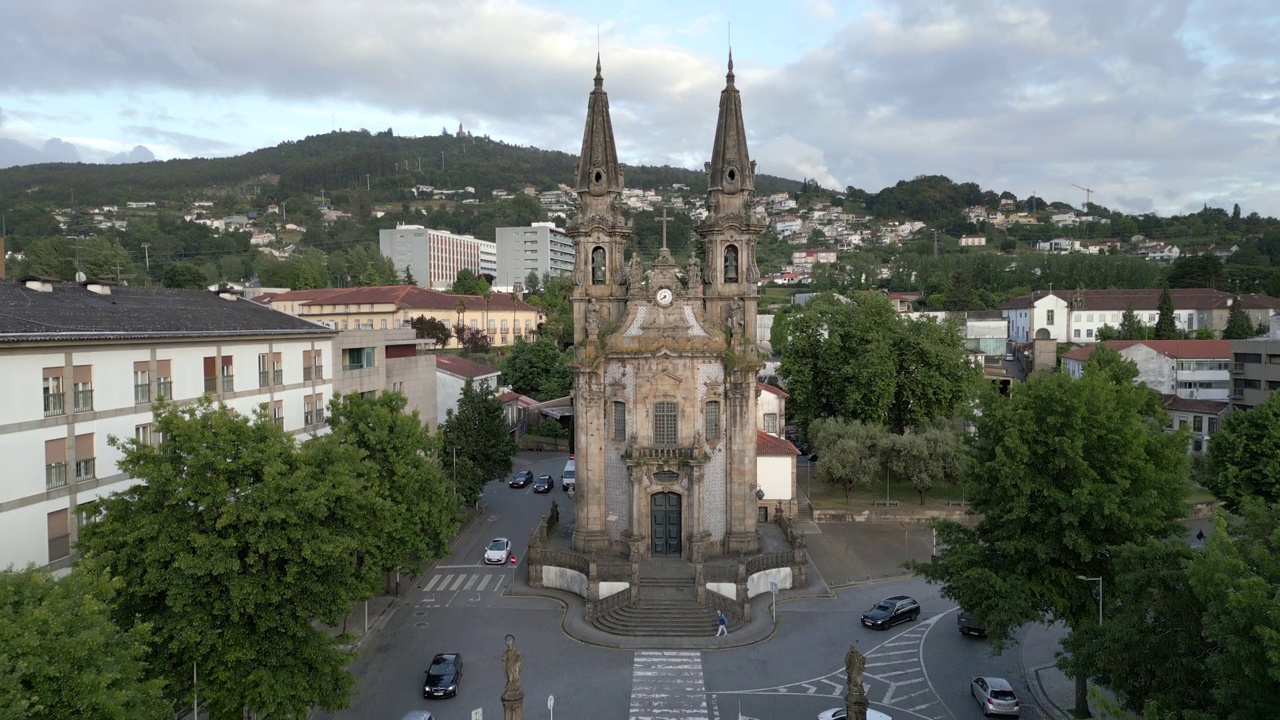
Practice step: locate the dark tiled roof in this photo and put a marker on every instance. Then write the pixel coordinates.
(463, 367)
(767, 444)
(71, 311)
(1144, 300)
(1204, 407)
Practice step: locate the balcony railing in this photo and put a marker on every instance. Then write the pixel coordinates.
(164, 388)
(263, 378)
(1237, 394)
(663, 453)
(309, 417)
(306, 373)
(86, 469)
(211, 385)
(319, 373)
(277, 377)
(1237, 367)
(84, 400)
(54, 404)
(55, 476)
(141, 393)
(228, 383)
(59, 547)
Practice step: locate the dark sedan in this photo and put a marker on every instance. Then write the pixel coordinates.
(891, 611)
(443, 676)
(521, 478)
(543, 484)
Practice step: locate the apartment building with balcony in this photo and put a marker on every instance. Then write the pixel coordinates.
(541, 248)
(371, 362)
(1255, 368)
(84, 362)
(1188, 369)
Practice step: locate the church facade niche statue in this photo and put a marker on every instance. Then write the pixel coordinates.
(694, 270)
(593, 319)
(597, 266)
(737, 318)
(731, 264)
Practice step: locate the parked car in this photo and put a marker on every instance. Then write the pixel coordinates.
(543, 484)
(995, 696)
(521, 478)
(498, 551)
(443, 676)
(891, 611)
(970, 625)
(417, 715)
(839, 714)
(569, 476)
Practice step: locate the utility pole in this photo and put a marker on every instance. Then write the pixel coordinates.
(366, 182)
(935, 243)
(146, 253)
(441, 159)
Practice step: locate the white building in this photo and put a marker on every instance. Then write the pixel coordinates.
(83, 363)
(541, 248)
(1077, 315)
(1189, 369)
(452, 374)
(434, 257)
(973, 240)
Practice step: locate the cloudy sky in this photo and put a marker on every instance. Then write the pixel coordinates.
(1157, 105)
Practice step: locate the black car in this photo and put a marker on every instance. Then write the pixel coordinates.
(443, 676)
(891, 611)
(970, 625)
(521, 478)
(543, 484)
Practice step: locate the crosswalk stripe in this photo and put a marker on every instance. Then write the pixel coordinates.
(458, 583)
(668, 685)
(471, 580)
(431, 585)
(484, 580)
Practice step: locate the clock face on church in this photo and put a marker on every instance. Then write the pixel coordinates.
(664, 296)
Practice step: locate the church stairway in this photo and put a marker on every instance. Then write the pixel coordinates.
(658, 618)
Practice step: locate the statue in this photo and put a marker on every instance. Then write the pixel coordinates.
(737, 321)
(855, 699)
(553, 517)
(593, 319)
(511, 663)
(694, 270)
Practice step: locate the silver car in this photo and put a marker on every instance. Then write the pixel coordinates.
(995, 696)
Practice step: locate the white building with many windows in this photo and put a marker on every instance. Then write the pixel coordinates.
(542, 248)
(83, 363)
(434, 257)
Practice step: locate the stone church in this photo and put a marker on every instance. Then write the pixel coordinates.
(666, 360)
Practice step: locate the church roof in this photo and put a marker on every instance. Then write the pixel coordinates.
(730, 148)
(598, 150)
(763, 387)
(767, 444)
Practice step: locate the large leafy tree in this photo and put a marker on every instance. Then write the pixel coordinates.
(1063, 473)
(927, 458)
(467, 282)
(475, 443)
(1244, 455)
(856, 359)
(537, 369)
(235, 542)
(1131, 327)
(852, 453)
(399, 470)
(63, 656)
(432, 328)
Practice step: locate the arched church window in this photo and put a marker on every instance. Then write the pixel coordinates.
(665, 424)
(597, 266)
(731, 264)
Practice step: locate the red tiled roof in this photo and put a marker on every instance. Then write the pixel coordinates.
(1176, 349)
(463, 367)
(771, 389)
(517, 398)
(767, 444)
(1204, 407)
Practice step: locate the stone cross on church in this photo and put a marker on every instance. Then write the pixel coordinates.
(665, 359)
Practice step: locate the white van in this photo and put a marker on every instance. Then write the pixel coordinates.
(568, 478)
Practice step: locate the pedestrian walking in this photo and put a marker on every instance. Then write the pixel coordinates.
(1200, 536)
(722, 621)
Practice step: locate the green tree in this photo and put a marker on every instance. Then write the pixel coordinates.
(431, 328)
(467, 282)
(927, 458)
(1239, 325)
(1106, 332)
(1244, 455)
(184, 275)
(532, 283)
(537, 369)
(64, 656)
(1131, 327)
(1196, 271)
(408, 278)
(1063, 473)
(232, 545)
(851, 453)
(477, 436)
(933, 377)
(1166, 328)
(398, 467)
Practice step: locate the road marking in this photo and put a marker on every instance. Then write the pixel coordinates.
(483, 581)
(431, 585)
(471, 581)
(668, 685)
(458, 583)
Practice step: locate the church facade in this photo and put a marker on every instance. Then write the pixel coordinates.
(665, 360)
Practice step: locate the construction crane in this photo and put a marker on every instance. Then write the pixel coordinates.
(1087, 193)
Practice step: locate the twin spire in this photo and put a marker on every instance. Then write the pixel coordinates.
(730, 170)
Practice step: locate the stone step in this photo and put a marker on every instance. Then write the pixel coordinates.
(661, 618)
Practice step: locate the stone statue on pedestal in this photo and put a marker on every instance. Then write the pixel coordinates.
(855, 699)
(513, 694)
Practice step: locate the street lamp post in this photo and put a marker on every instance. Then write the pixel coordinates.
(1099, 581)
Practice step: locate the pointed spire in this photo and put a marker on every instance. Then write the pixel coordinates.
(598, 172)
(730, 170)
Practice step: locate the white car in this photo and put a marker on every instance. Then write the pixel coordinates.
(498, 551)
(839, 714)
